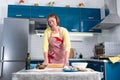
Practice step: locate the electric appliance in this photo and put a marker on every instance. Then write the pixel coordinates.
(112, 19)
(106, 49)
(38, 25)
(14, 46)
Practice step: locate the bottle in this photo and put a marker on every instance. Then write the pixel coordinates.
(81, 56)
(27, 61)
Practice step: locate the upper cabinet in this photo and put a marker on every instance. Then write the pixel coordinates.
(90, 17)
(74, 19)
(39, 11)
(18, 11)
(90, 14)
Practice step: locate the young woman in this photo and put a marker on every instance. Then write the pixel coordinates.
(56, 42)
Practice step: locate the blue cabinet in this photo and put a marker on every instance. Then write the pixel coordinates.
(90, 14)
(88, 24)
(74, 19)
(39, 11)
(61, 13)
(89, 18)
(69, 18)
(19, 11)
(110, 70)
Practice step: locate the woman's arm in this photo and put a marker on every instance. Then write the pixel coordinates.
(45, 59)
(67, 44)
(66, 63)
(45, 47)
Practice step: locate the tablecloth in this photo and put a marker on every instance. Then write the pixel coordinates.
(56, 75)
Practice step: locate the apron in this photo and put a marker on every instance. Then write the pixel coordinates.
(56, 53)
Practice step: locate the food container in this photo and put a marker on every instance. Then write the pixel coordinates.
(80, 64)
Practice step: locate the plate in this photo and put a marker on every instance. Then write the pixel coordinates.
(70, 70)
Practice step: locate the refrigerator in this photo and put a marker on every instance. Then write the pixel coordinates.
(13, 46)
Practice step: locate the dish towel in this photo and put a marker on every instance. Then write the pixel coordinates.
(114, 59)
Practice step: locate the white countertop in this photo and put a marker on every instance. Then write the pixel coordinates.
(55, 74)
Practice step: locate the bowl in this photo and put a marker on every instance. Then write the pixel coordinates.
(79, 64)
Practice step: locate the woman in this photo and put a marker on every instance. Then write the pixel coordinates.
(56, 42)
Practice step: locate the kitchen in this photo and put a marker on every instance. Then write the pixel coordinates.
(85, 47)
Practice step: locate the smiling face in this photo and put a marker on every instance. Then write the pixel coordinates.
(53, 20)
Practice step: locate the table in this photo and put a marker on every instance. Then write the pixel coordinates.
(55, 74)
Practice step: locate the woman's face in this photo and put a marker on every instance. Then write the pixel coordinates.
(52, 22)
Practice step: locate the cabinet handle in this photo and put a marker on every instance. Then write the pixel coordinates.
(74, 30)
(90, 17)
(18, 15)
(102, 68)
(41, 16)
(81, 24)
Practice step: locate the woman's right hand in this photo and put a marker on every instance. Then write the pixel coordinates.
(45, 63)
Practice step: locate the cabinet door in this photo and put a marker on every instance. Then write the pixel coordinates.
(112, 71)
(97, 66)
(90, 14)
(88, 24)
(19, 11)
(40, 11)
(90, 17)
(73, 19)
(61, 12)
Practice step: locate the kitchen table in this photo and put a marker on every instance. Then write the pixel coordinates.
(55, 74)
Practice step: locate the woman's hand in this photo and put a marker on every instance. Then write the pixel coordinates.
(66, 63)
(45, 63)
(45, 59)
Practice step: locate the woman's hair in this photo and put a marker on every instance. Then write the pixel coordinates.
(54, 16)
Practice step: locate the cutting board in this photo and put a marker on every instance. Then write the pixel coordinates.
(71, 53)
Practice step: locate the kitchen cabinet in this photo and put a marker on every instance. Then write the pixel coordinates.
(74, 19)
(89, 18)
(39, 11)
(110, 70)
(19, 11)
(61, 13)
(69, 17)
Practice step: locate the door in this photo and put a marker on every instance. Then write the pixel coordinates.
(15, 38)
(1, 48)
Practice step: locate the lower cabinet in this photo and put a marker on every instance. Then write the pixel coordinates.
(110, 70)
(97, 66)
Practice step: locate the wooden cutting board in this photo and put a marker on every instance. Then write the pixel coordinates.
(71, 53)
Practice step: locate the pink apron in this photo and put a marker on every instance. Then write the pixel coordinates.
(56, 53)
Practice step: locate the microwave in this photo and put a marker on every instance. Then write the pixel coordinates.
(107, 49)
(38, 25)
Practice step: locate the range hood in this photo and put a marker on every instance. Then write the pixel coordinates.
(112, 19)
